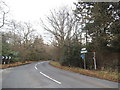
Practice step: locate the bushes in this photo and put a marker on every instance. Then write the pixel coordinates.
(70, 55)
(107, 60)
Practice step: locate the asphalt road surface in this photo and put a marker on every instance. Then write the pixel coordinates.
(43, 75)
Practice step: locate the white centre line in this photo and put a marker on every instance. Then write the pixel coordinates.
(50, 78)
(36, 67)
(46, 75)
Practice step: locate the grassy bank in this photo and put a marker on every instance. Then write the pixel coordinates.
(112, 76)
(3, 66)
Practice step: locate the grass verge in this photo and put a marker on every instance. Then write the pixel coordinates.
(112, 76)
(3, 66)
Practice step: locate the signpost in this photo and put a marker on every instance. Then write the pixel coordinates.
(6, 59)
(9, 57)
(94, 60)
(83, 56)
(83, 50)
(2, 57)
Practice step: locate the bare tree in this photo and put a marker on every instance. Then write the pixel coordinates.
(23, 29)
(3, 11)
(22, 33)
(62, 25)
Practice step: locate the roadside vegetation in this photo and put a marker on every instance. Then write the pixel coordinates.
(107, 75)
(4, 66)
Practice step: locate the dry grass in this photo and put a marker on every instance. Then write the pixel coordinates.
(112, 76)
(14, 64)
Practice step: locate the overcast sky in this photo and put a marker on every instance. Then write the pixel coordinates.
(25, 10)
(33, 10)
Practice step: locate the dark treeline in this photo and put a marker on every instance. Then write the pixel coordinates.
(103, 26)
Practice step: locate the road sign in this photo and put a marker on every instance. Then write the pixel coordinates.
(84, 51)
(83, 56)
(3, 57)
(6, 57)
(9, 57)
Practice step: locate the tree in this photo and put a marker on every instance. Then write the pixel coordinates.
(3, 11)
(103, 28)
(37, 49)
(7, 50)
(25, 31)
(101, 17)
(63, 26)
(21, 43)
(83, 16)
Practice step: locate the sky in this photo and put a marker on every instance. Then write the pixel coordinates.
(25, 10)
(33, 10)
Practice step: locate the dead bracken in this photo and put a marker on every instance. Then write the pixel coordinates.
(112, 76)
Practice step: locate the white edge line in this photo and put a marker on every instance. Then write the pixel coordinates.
(50, 78)
(6, 69)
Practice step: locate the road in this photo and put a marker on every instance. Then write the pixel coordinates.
(43, 75)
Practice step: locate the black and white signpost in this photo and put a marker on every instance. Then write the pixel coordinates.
(6, 59)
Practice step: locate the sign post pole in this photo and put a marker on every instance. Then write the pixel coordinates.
(84, 51)
(84, 63)
(94, 61)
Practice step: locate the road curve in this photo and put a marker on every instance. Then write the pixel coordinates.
(43, 75)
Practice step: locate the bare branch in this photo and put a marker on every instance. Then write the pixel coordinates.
(3, 20)
(3, 13)
(62, 25)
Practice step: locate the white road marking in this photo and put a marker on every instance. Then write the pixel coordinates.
(6, 69)
(50, 78)
(36, 67)
(45, 74)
